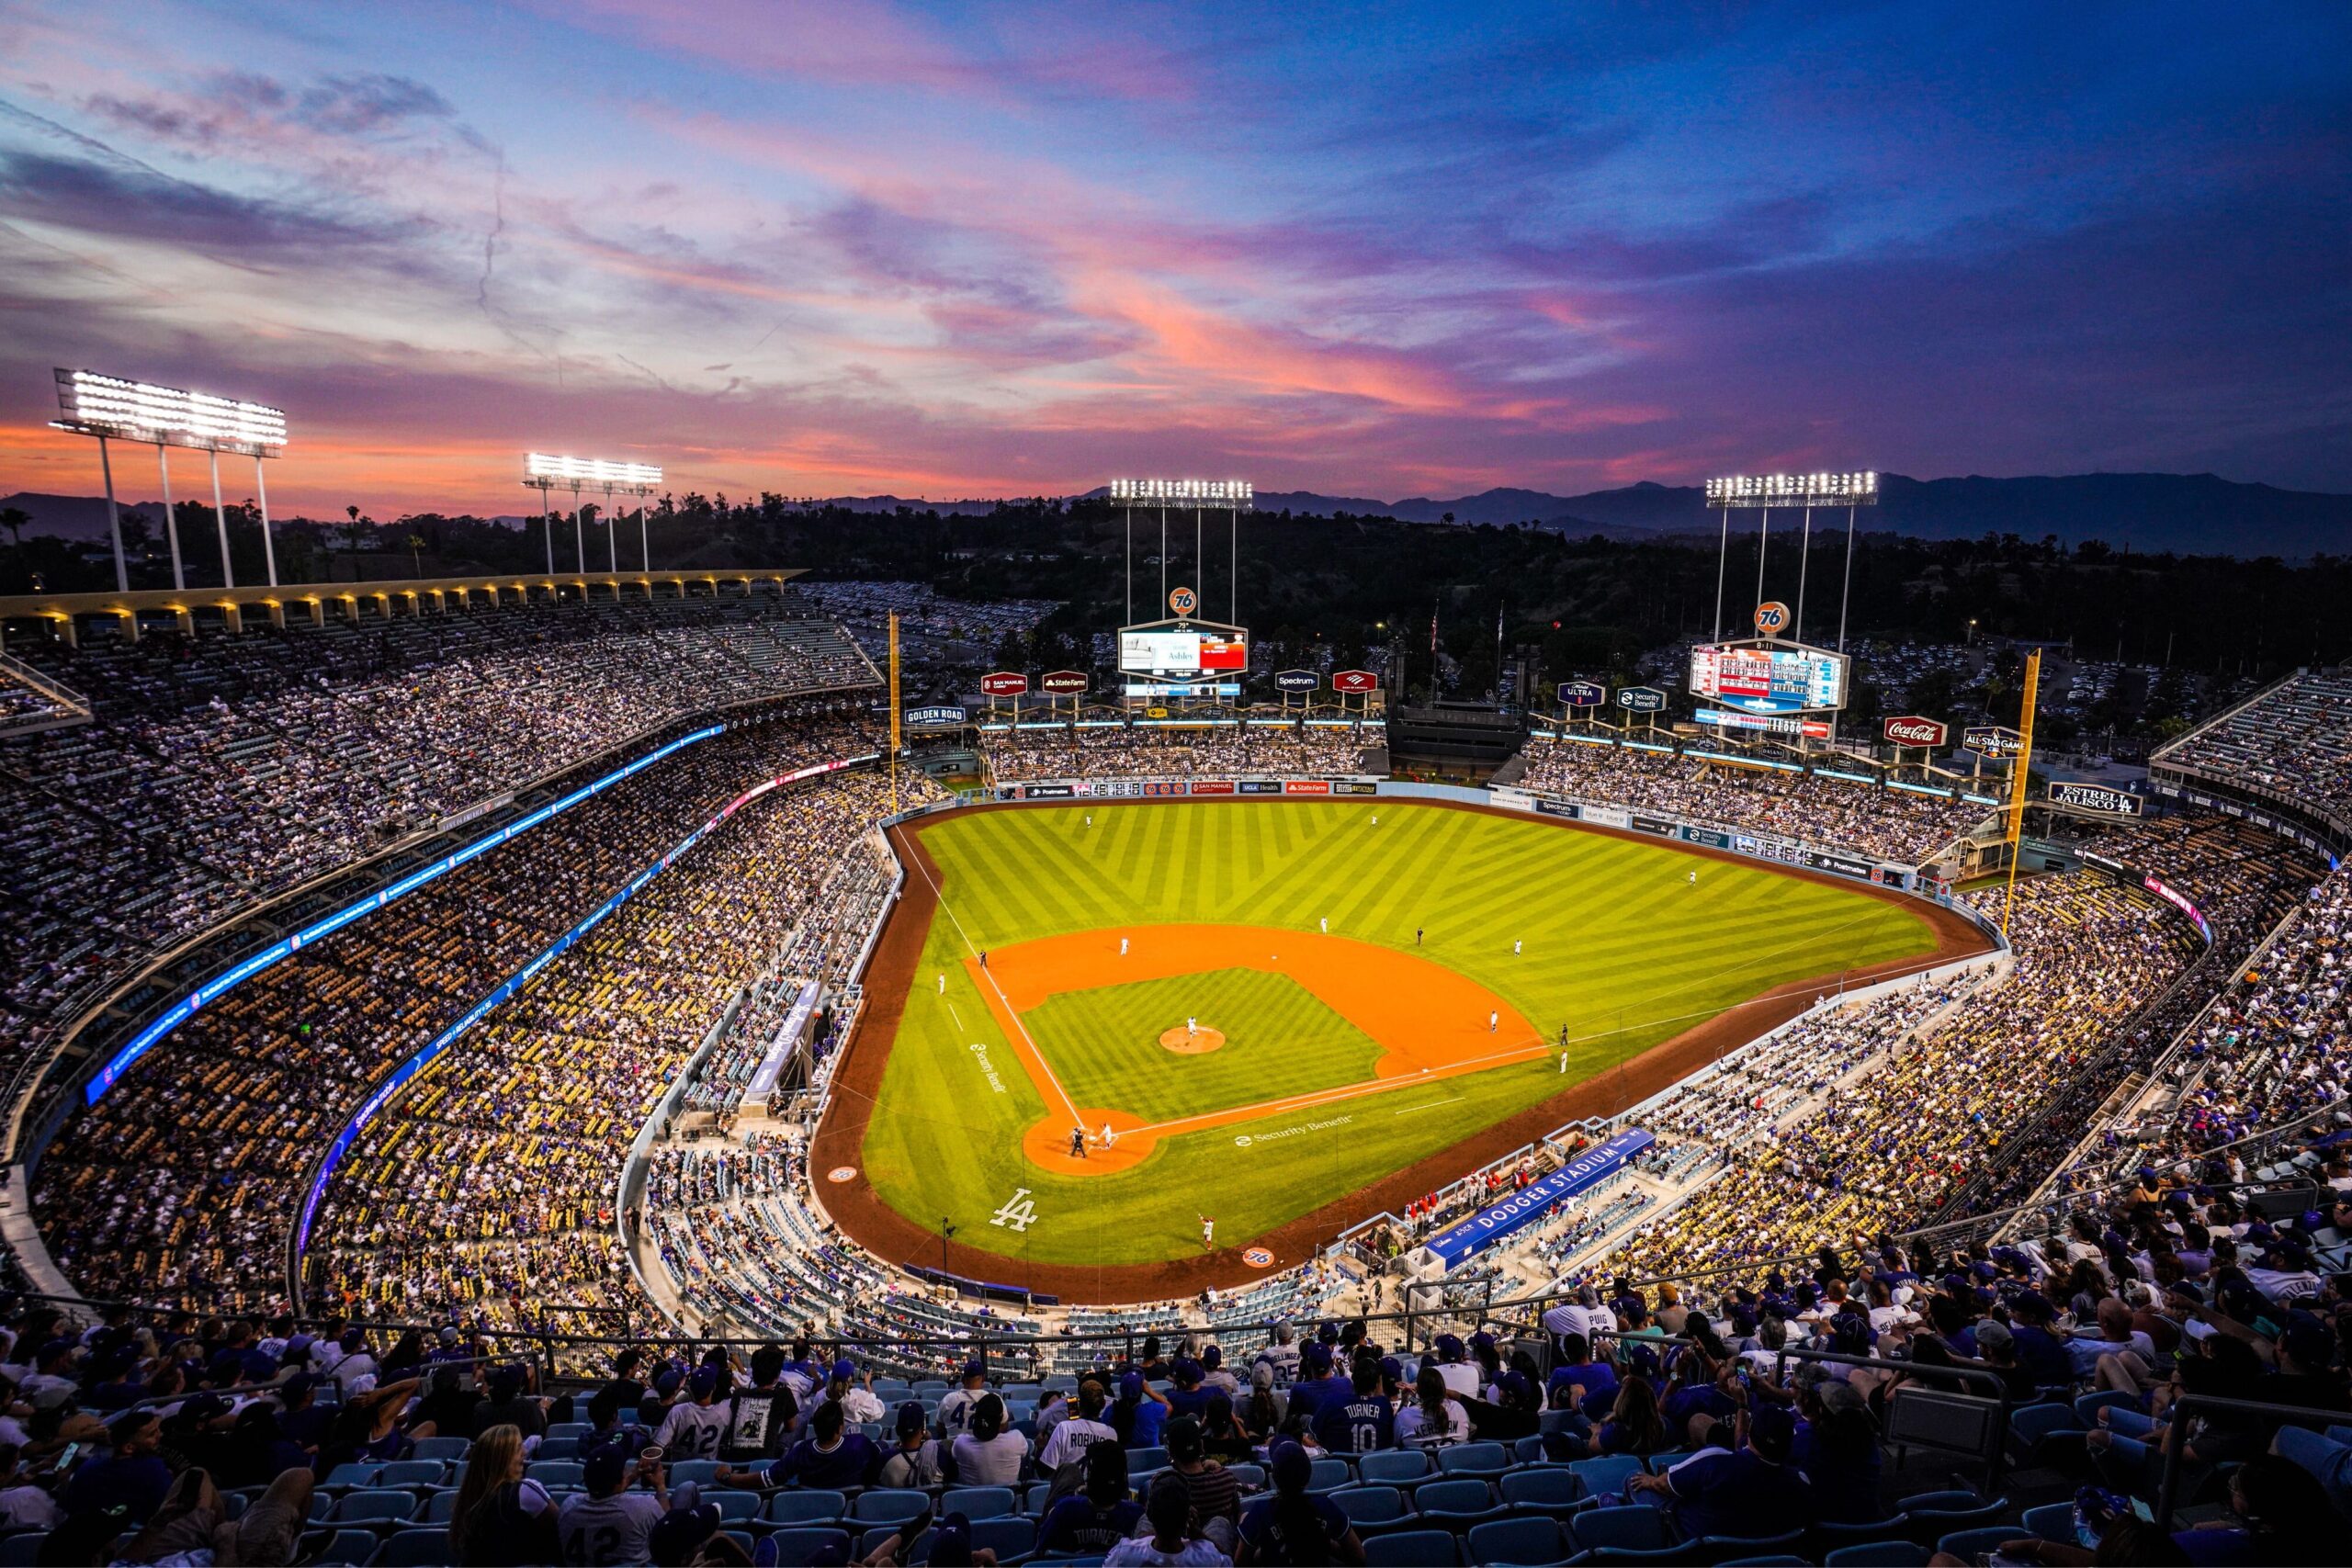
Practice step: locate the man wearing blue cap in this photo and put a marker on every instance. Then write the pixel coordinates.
(956, 1408)
(1140, 1413)
(858, 1401)
(696, 1424)
(1316, 1387)
(1186, 1398)
(1752, 1492)
(608, 1523)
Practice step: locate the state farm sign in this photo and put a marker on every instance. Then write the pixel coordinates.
(1062, 683)
(1915, 731)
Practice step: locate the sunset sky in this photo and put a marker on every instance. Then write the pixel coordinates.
(1010, 249)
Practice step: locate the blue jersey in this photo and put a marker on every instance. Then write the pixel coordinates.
(1358, 1424)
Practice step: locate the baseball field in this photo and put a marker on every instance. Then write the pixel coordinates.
(1095, 1026)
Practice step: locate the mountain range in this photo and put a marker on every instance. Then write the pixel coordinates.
(2184, 514)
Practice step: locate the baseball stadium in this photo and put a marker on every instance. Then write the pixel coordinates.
(970, 949)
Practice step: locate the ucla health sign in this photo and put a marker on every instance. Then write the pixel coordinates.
(1454, 1243)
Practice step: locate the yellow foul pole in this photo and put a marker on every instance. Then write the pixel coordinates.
(894, 713)
(2019, 774)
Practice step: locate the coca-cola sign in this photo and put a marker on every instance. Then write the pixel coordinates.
(1354, 681)
(1004, 684)
(1062, 683)
(1915, 731)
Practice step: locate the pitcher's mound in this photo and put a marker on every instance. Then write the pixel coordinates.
(1191, 1041)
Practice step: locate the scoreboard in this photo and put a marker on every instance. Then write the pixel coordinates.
(1768, 678)
(1181, 653)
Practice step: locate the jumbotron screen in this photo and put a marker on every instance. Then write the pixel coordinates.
(1768, 680)
(1180, 653)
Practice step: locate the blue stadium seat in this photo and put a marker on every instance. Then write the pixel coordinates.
(1605, 1477)
(1780, 1561)
(796, 1547)
(576, 1431)
(2051, 1521)
(1878, 1554)
(349, 1549)
(1969, 1544)
(1008, 1537)
(815, 1506)
(1412, 1548)
(2031, 1424)
(977, 1503)
(1938, 1514)
(558, 1447)
(1323, 1475)
(1393, 1467)
(2085, 1407)
(1251, 1477)
(411, 1473)
(1371, 1508)
(445, 1449)
(374, 1508)
(887, 1505)
(1728, 1548)
(350, 1477)
(1485, 1461)
(1829, 1536)
(1630, 1528)
(1522, 1543)
(701, 1471)
(1143, 1461)
(554, 1472)
(23, 1549)
(1552, 1493)
(1458, 1502)
(414, 1549)
(441, 1508)
(734, 1508)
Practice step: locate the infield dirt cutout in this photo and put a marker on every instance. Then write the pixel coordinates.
(1429, 1021)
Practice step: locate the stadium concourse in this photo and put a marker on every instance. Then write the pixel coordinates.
(2105, 1175)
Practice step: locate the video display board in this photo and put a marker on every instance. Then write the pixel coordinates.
(1768, 678)
(1181, 653)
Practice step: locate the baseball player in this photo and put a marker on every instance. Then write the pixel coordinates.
(1493, 1019)
(1109, 1137)
(943, 982)
(1514, 946)
(1208, 1234)
(1123, 947)
(1325, 922)
(1191, 1027)
(1694, 879)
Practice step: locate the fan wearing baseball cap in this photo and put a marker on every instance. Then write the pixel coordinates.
(1752, 1492)
(608, 1523)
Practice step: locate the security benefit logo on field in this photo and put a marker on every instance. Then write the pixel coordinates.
(1017, 1213)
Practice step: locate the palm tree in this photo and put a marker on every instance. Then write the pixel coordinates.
(13, 519)
(415, 543)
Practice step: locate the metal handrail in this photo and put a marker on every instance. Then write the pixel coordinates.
(2171, 1442)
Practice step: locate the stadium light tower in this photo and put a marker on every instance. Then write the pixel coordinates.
(110, 408)
(1806, 490)
(542, 472)
(1232, 496)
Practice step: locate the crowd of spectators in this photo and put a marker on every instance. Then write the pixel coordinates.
(2294, 740)
(1862, 819)
(223, 768)
(1140, 751)
(182, 1177)
(491, 1181)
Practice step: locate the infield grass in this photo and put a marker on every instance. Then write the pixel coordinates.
(1619, 946)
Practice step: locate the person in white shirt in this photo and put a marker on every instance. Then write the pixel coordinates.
(1170, 1542)
(1433, 1414)
(24, 1506)
(1074, 1435)
(859, 1401)
(989, 1454)
(696, 1424)
(1461, 1375)
(608, 1523)
(956, 1408)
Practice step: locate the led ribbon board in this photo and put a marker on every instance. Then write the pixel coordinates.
(180, 1011)
(416, 1064)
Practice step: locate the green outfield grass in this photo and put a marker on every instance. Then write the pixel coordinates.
(1279, 1041)
(1619, 947)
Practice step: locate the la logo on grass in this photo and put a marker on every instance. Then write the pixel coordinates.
(1017, 1213)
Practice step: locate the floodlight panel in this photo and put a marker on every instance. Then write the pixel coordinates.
(1794, 490)
(589, 470)
(168, 416)
(1183, 492)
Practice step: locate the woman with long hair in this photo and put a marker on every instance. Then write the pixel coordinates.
(1260, 1415)
(1433, 1415)
(500, 1521)
(1635, 1425)
(1290, 1527)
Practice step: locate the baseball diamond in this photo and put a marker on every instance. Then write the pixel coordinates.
(1034, 991)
